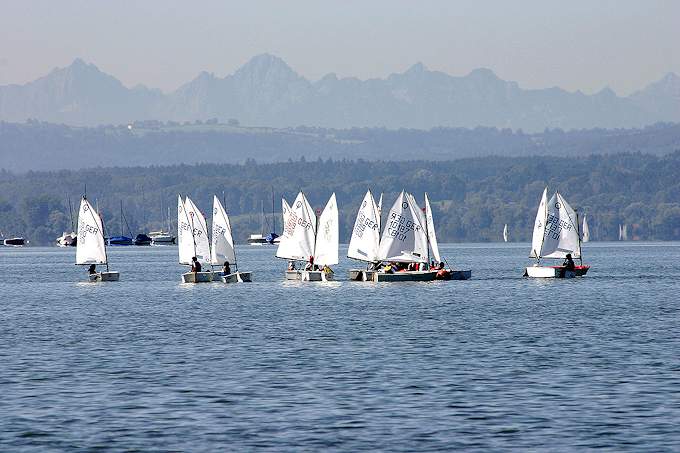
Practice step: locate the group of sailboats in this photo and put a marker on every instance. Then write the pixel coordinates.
(408, 248)
(309, 241)
(197, 250)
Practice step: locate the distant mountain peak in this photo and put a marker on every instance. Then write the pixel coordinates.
(416, 68)
(483, 74)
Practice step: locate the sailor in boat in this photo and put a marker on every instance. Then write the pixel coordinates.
(310, 265)
(226, 269)
(442, 272)
(327, 270)
(92, 269)
(568, 265)
(195, 265)
(291, 265)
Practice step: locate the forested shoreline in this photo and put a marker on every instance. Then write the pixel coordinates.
(472, 198)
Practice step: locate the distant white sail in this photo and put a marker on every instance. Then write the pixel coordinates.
(365, 242)
(620, 232)
(222, 240)
(505, 233)
(561, 231)
(624, 232)
(199, 230)
(185, 240)
(90, 248)
(327, 235)
(431, 235)
(585, 236)
(539, 226)
(398, 241)
(297, 237)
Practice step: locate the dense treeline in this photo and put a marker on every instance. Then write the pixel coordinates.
(44, 146)
(472, 198)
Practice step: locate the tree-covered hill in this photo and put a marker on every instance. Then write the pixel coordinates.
(472, 198)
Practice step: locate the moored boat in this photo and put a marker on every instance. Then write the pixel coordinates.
(14, 242)
(556, 236)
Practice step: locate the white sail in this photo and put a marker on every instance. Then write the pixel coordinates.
(431, 235)
(199, 230)
(620, 232)
(380, 203)
(539, 226)
(327, 235)
(297, 237)
(505, 233)
(561, 231)
(585, 235)
(90, 248)
(420, 250)
(222, 240)
(285, 209)
(398, 241)
(624, 232)
(185, 240)
(365, 242)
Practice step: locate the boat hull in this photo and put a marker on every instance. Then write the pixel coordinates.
(109, 276)
(406, 276)
(308, 276)
(14, 242)
(237, 277)
(197, 277)
(555, 272)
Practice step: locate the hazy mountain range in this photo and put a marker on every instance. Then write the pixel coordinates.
(266, 91)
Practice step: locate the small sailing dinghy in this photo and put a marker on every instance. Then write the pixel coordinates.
(192, 240)
(364, 244)
(223, 246)
(556, 235)
(310, 240)
(91, 247)
(505, 233)
(585, 235)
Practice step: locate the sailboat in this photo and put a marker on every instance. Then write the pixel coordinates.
(556, 234)
(623, 232)
(222, 249)
(68, 239)
(91, 248)
(310, 239)
(505, 233)
(122, 239)
(192, 240)
(585, 234)
(364, 244)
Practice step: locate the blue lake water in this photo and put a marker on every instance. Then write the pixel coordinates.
(493, 363)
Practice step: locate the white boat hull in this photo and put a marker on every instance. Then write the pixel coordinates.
(308, 276)
(548, 272)
(237, 277)
(406, 276)
(110, 276)
(197, 277)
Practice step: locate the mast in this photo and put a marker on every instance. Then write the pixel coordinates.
(273, 216)
(106, 255)
(70, 211)
(224, 205)
(427, 233)
(578, 234)
(545, 219)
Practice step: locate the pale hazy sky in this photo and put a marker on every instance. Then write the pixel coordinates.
(574, 44)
